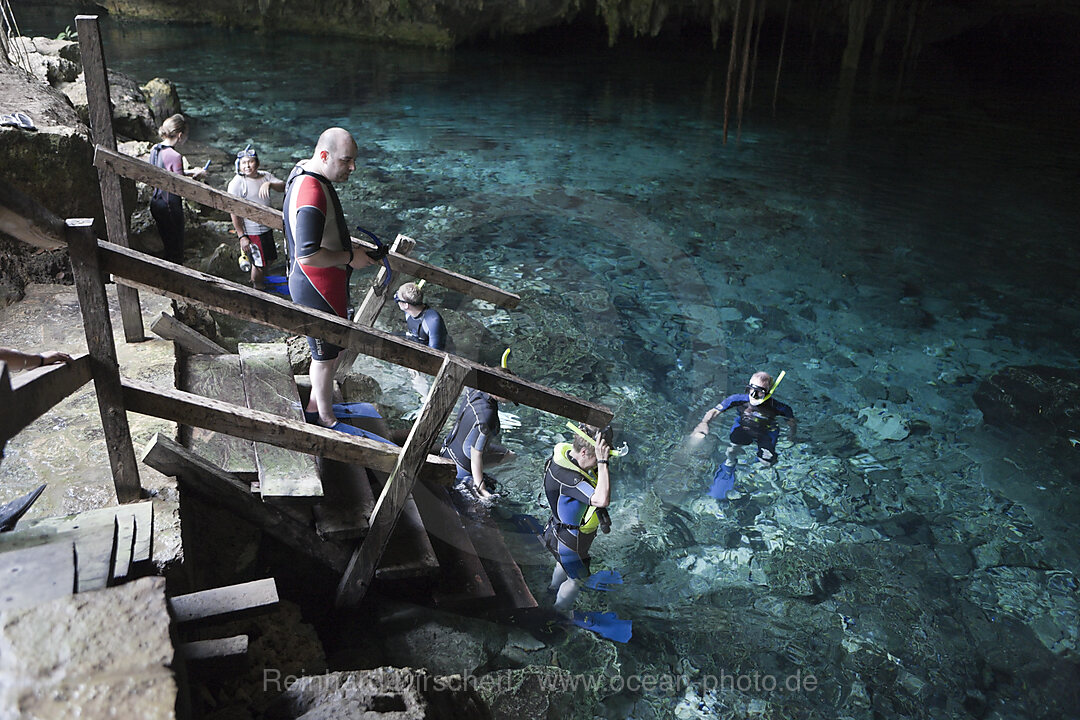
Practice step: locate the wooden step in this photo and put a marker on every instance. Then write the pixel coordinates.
(462, 578)
(225, 603)
(408, 553)
(345, 508)
(510, 587)
(218, 377)
(269, 386)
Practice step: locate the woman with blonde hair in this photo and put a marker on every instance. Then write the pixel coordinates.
(166, 207)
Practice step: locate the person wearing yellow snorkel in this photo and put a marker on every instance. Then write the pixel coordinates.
(578, 489)
(755, 422)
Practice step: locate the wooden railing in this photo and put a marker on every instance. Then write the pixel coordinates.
(94, 261)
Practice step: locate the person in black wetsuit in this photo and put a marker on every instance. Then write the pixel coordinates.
(755, 422)
(422, 322)
(471, 444)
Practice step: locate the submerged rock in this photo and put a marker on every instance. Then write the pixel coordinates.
(1034, 398)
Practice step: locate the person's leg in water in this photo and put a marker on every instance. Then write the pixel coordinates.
(566, 587)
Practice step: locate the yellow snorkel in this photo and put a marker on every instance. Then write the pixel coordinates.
(506, 360)
(774, 385)
(613, 452)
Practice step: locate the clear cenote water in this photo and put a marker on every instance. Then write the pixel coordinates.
(888, 270)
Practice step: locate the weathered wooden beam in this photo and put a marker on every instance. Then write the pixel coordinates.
(265, 308)
(373, 303)
(24, 218)
(101, 127)
(34, 393)
(442, 398)
(168, 327)
(259, 426)
(217, 376)
(227, 491)
(90, 287)
(225, 603)
(215, 650)
(175, 183)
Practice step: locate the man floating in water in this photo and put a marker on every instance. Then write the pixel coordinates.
(755, 422)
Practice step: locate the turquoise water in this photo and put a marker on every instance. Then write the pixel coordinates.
(889, 269)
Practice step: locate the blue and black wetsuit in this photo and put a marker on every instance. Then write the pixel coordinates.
(570, 532)
(756, 423)
(315, 221)
(427, 328)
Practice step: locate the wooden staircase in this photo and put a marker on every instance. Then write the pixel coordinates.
(321, 507)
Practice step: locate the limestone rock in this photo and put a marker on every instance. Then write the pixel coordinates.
(1041, 400)
(52, 61)
(131, 114)
(884, 423)
(105, 652)
(162, 98)
(401, 693)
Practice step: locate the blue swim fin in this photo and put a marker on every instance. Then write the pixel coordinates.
(606, 625)
(603, 580)
(723, 481)
(276, 280)
(351, 430)
(355, 409)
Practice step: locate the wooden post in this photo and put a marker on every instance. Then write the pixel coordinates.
(112, 200)
(444, 394)
(373, 304)
(90, 286)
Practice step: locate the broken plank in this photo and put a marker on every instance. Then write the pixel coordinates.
(197, 475)
(143, 545)
(168, 327)
(225, 603)
(95, 548)
(125, 545)
(506, 578)
(218, 376)
(269, 386)
(33, 575)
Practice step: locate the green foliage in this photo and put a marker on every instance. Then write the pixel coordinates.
(68, 34)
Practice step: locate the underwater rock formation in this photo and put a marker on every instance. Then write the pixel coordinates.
(1041, 400)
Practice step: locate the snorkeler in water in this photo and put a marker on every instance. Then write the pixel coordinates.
(755, 422)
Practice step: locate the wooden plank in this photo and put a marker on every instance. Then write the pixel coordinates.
(372, 305)
(463, 579)
(269, 386)
(95, 549)
(143, 543)
(125, 545)
(218, 376)
(35, 392)
(506, 578)
(90, 286)
(409, 553)
(101, 127)
(374, 301)
(256, 425)
(36, 574)
(428, 425)
(194, 342)
(225, 603)
(344, 510)
(227, 491)
(175, 183)
(216, 649)
(265, 308)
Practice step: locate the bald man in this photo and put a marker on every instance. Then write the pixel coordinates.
(321, 256)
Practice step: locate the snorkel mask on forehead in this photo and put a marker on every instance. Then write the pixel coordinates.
(247, 152)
